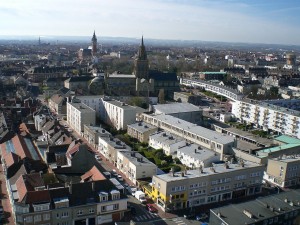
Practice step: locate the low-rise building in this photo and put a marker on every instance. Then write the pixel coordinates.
(109, 146)
(283, 171)
(99, 203)
(220, 182)
(184, 111)
(92, 134)
(141, 131)
(282, 208)
(79, 114)
(57, 103)
(169, 143)
(202, 136)
(194, 156)
(135, 166)
(118, 114)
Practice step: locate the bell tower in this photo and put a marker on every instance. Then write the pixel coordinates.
(94, 44)
(141, 65)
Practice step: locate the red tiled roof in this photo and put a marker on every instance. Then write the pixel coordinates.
(93, 174)
(20, 147)
(72, 150)
(22, 188)
(11, 158)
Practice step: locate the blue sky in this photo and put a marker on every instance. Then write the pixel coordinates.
(257, 21)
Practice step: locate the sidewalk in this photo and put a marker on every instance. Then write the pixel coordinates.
(5, 200)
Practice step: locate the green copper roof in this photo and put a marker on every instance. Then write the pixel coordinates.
(290, 142)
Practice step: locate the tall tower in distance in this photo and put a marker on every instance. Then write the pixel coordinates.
(94, 44)
(141, 65)
(39, 40)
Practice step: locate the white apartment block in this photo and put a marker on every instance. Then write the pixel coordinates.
(79, 114)
(109, 146)
(207, 185)
(194, 156)
(135, 166)
(93, 101)
(169, 143)
(202, 136)
(118, 114)
(268, 117)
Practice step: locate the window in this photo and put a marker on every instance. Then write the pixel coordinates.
(116, 206)
(28, 219)
(37, 218)
(103, 208)
(79, 212)
(57, 215)
(65, 214)
(91, 210)
(46, 216)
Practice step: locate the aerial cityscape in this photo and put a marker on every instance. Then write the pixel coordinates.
(163, 113)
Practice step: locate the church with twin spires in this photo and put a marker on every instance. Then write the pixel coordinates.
(142, 82)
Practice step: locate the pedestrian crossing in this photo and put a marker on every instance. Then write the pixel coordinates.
(146, 216)
(178, 221)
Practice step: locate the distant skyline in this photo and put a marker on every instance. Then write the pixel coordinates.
(250, 21)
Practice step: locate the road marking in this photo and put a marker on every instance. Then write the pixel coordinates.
(137, 218)
(181, 223)
(144, 216)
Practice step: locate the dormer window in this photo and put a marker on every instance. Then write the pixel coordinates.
(115, 194)
(103, 196)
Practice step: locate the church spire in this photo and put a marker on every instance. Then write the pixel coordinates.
(94, 44)
(94, 37)
(142, 54)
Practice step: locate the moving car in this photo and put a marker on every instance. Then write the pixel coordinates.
(151, 208)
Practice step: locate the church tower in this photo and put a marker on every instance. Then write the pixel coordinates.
(94, 44)
(141, 65)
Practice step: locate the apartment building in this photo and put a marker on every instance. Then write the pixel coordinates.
(79, 114)
(283, 171)
(268, 117)
(223, 181)
(141, 131)
(135, 166)
(99, 203)
(169, 143)
(109, 146)
(202, 136)
(92, 134)
(118, 114)
(57, 104)
(184, 111)
(195, 156)
(282, 208)
(92, 101)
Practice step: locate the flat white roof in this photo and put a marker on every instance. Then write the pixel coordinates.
(175, 108)
(195, 129)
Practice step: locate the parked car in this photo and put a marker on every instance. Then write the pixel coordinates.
(203, 216)
(1, 213)
(151, 208)
(98, 157)
(120, 178)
